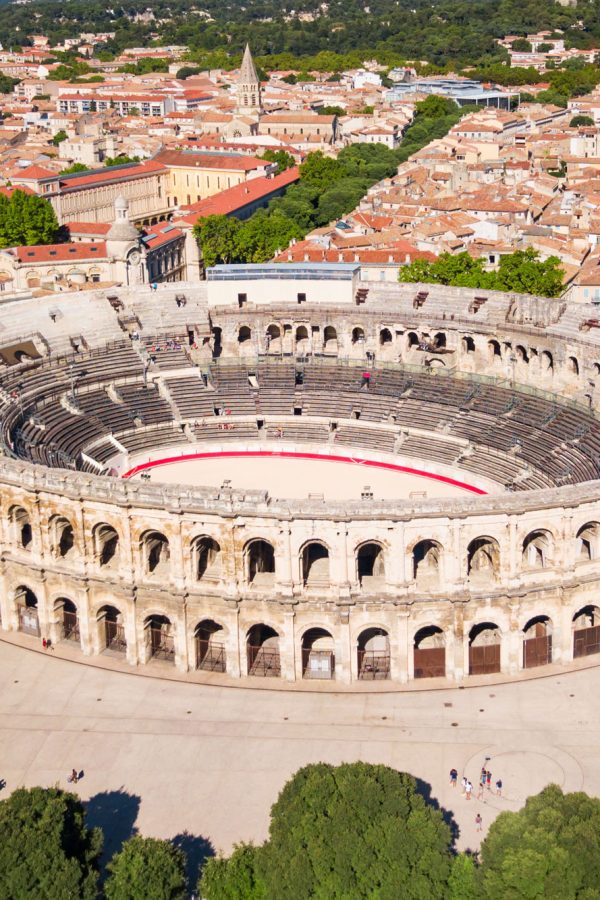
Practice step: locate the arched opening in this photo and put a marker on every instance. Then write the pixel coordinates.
(426, 559)
(468, 344)
(537, 550)
(358, 336)
(330, 344)
(63, 537)
(68, 619)
(206, 556)
(156, 553)
(217, 335)
(483, 559)
(210, 649)
(586, 632)
(21, 525)
(537, 642)
(439, 340)
(430, 653)
(596, 368)
(494, 350)
(273, 339)
(370, 567)
(315, 564)
(521, 354)
(260, 563)
(244, 335)
(27, 611)
(318, 654)
(159, 638)
(373, 654)
(412, 340)
(573, 365)
(262, 647)
(588, 542)
(547, 361)
(106, 546)
(484, 649)
(385, 337)
(302, 341)
(111, 629)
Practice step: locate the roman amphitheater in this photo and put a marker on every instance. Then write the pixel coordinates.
(288, 473)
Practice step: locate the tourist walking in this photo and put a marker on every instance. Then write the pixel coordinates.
(469, 790)
(463, 784)
(453, 777)
(73, 777)
(479, 822)
(499, 787)
(489, 780)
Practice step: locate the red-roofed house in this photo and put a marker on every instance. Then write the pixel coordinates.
(243, 199)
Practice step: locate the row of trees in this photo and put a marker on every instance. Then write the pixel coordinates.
(26, 219)
(328, 188)
(521, 271)
(337, 832)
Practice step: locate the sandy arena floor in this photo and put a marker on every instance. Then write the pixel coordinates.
(168, 757)
(297, 478)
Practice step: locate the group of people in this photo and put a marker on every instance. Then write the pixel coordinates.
(485, 783)
(168, 345)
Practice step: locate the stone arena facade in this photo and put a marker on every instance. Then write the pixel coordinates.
(245, 584)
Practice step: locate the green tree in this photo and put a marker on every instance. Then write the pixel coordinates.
(350, 831)
(331, 111)
(26, 219)
(321, 170)
(187, 72)
(462, 883)
(549, 849)
(283, 159)
(260, 237)
(46, 849)
(578, 121)
(235, 878)
(146, 869)
(216, 236)
(521, 45)
(59, 137)
(120, 160)
(74, 168)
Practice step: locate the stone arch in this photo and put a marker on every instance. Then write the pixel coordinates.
(210, 646)
(260, 562)
(302, 338)
(468, 344)
(494, 349)
(314, 559)
(586, 631)
(20, 522)
(373, 654)
(429, 649)
(159, 637)
(588, 542)
(537, 642)
(439, 340)
(68, 619)
(273, 338)
(105, 540)
(412, 340)
(537, 549)
(483, 558)
(573, 365)
(244, 334)
(358, 335)
(426, 561)
(370, 563)
(262, 650)
(596, 368)
(521, 354)
(111, 629)
(330, 339)
(318, 654)
(385, 337)
(156, 553)
(62, 536)
(26, 603)
(206, 558)
(484, 649)
(547, 361)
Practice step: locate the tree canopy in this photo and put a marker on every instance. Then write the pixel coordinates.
(550, 849)
(355, 830)
(521, 271)
(146, 869)
(26, 219)
(46, 849)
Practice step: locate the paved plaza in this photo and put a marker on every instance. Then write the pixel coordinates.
(167, 757)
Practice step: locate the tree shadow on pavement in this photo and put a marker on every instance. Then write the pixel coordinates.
(115, 812)
(197, 851)
(424, 789)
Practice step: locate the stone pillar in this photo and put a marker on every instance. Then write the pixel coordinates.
(402, 663)
(287, 646)
(85, 624)
(511, 652)
(455, 662)
(395, 562)
(343, 648)
(284, 568)
(562, 634)
(180, 629)
(235, 647)
(136, 651)
(7, 607)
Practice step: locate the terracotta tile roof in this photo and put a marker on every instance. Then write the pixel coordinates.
(60, 252)
(161, 233)
(35, 173)
(112, 173)
(9, 191)
(303, 253)
(219, 161)
(233, 199)
(94, 229)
